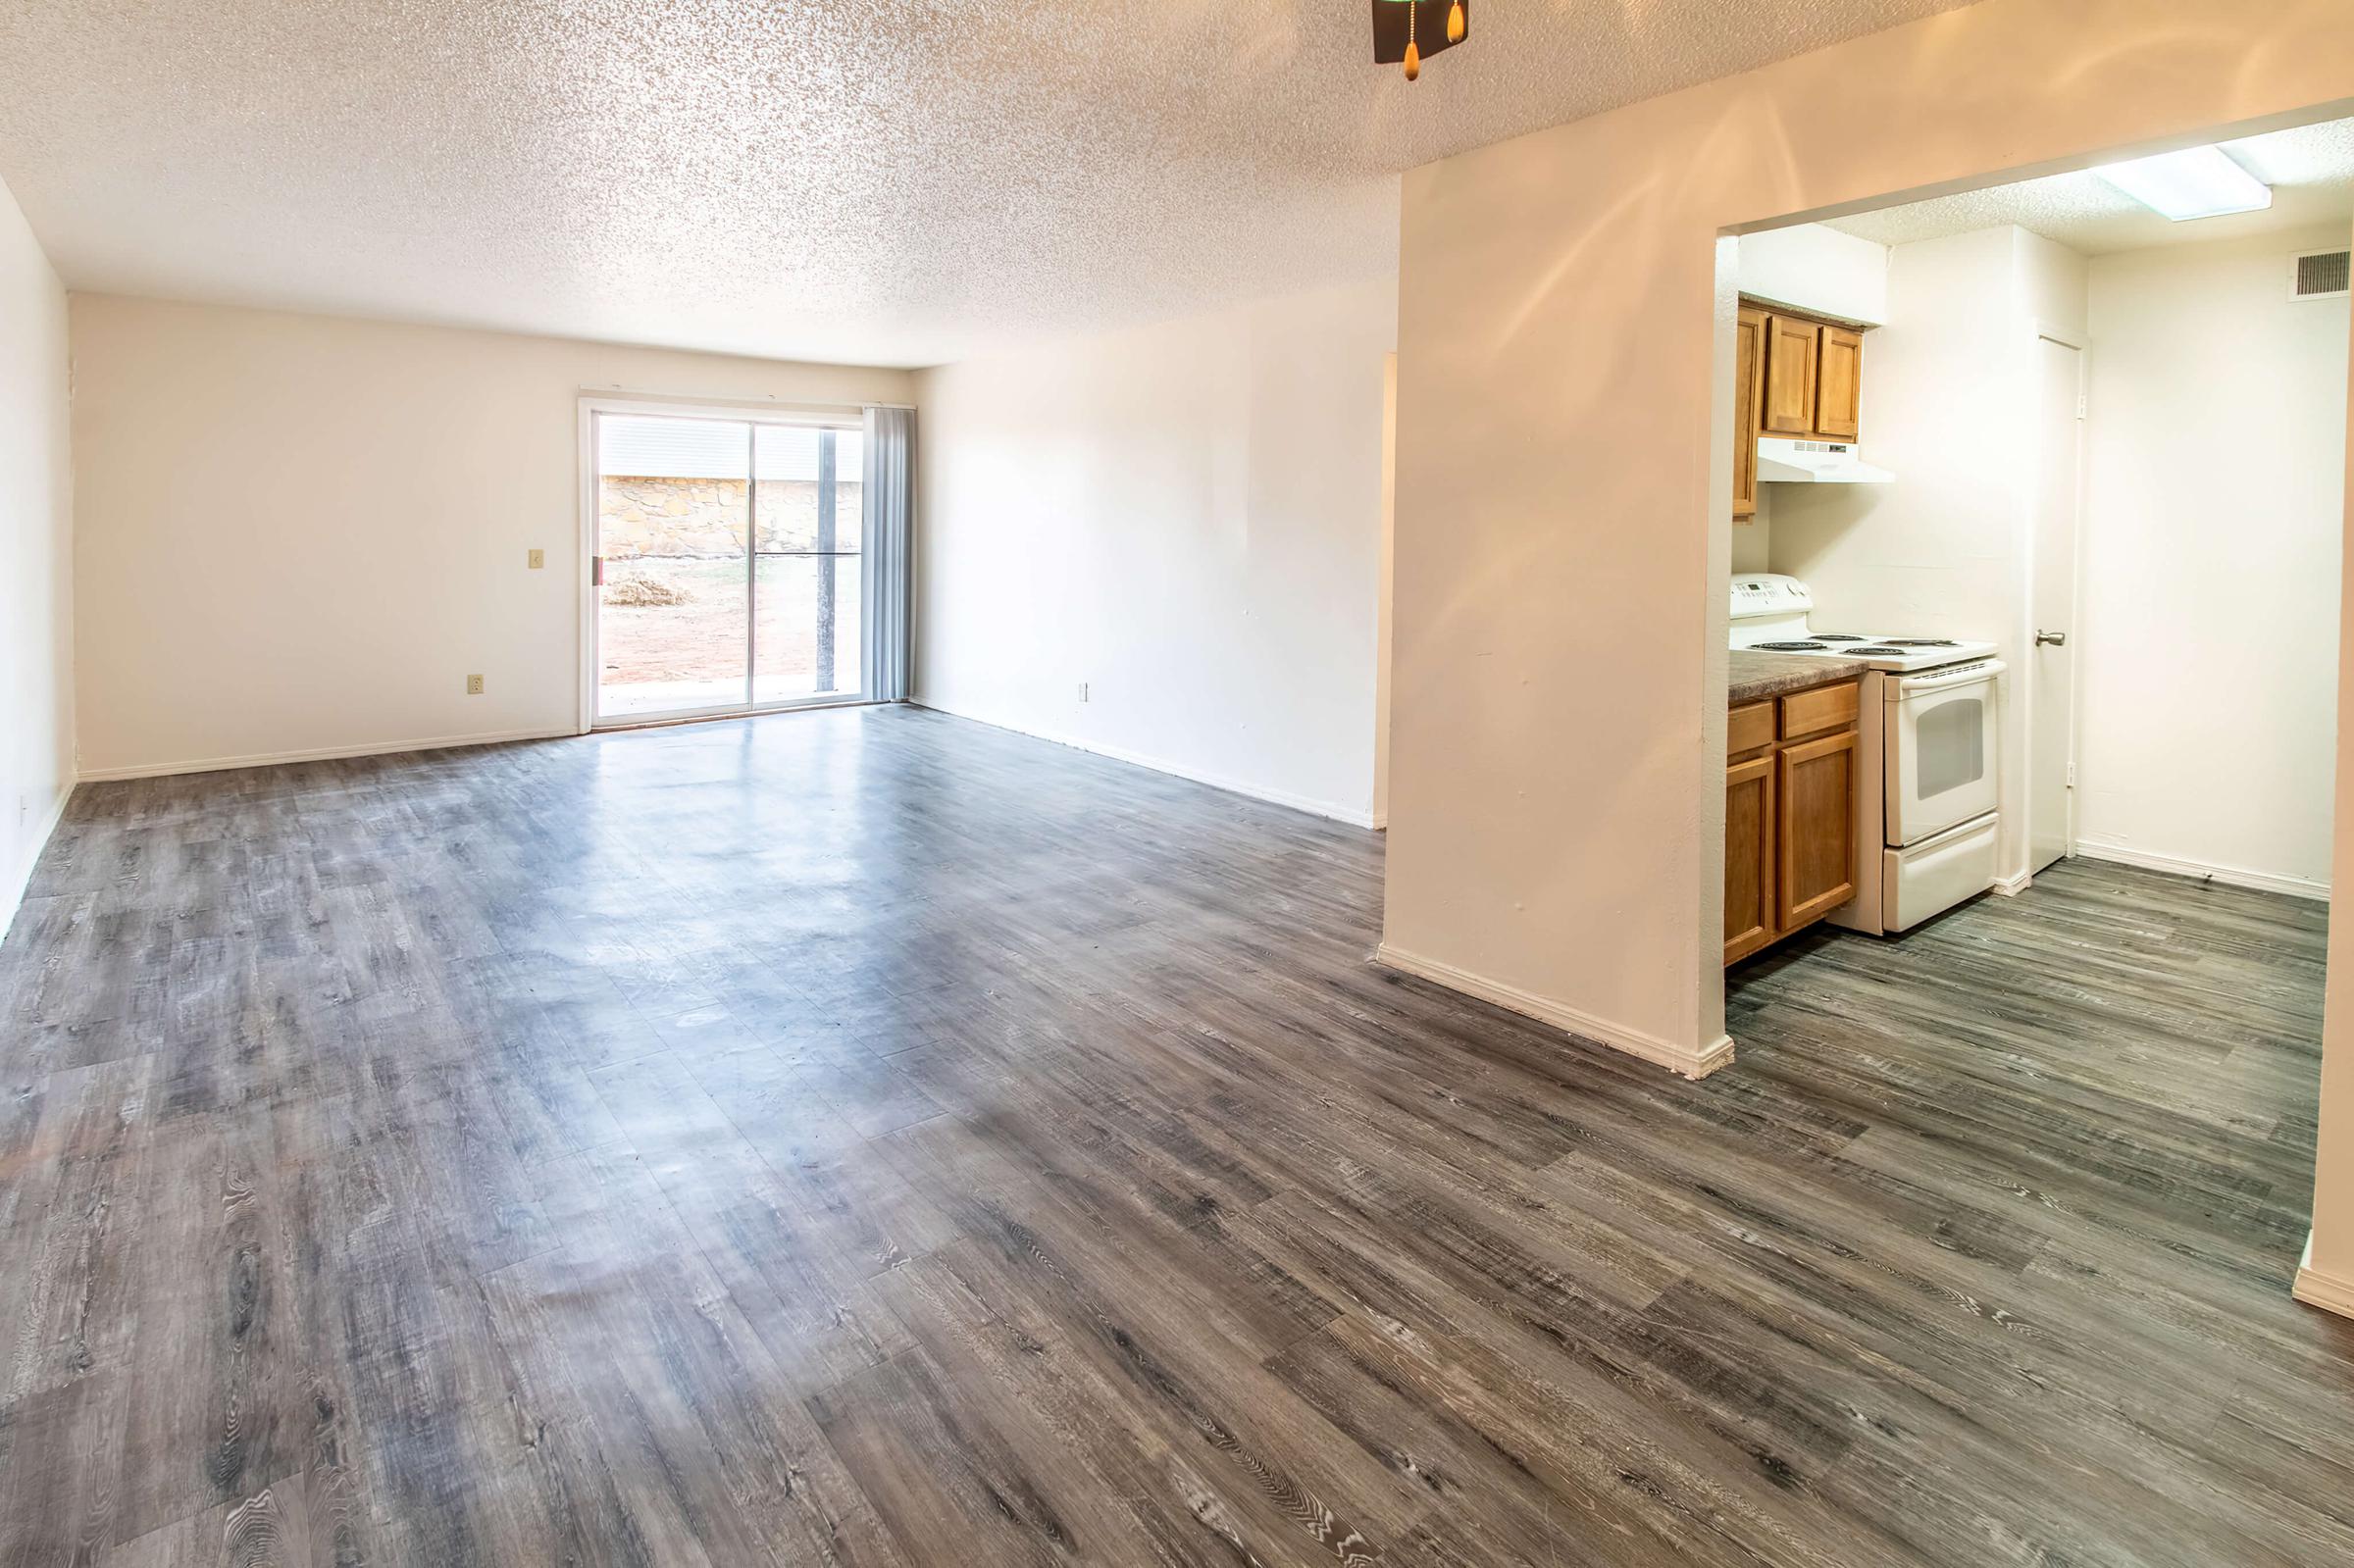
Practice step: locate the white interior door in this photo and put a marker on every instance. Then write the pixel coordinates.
(2049, 669)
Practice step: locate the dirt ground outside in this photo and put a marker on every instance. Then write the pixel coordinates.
(702, 637)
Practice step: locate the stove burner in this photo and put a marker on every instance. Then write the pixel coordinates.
(1924, 642)
(1875, 652)
(1793, 647)
(1842, 637)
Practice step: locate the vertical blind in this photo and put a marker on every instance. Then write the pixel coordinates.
(889, 547)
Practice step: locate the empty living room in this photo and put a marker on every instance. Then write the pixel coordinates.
(909, 785)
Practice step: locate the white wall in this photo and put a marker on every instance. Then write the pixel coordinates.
(298, 535)
(1948, 408)
(36, 555)
(2215, 492)
(1188, 517)
(1814, 267)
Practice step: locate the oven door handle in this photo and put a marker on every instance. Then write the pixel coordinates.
(1949, 680)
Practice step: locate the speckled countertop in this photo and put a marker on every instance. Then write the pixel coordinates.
(1753, 676)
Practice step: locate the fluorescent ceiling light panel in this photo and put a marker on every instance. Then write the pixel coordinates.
(2195, 183)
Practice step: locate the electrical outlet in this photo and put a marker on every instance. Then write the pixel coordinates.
(474, 686)
(536, 560)
(1081, 691)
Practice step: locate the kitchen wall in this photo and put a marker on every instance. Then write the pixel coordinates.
(298, 535)
(1564, 480)
(1949, 401)
(1187, 518)
(1817, 268)
(2215, 490)
(36, 556)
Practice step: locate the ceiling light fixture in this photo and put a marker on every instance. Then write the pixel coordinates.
(1398, 31)
(2195, 183)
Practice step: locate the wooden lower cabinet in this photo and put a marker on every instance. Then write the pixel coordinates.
(1817, 825)
(1750, 914)
(1789, 816)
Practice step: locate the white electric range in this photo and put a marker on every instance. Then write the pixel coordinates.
(1770, 612)
(1927, 823)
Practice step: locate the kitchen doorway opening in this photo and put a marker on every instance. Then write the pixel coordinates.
(2029, 586)
(726, 561)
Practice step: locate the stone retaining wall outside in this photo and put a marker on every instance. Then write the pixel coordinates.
(654, 515)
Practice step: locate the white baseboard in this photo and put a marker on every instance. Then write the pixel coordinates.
(1635, 1043)
(21, 876)
(2327, 1291)
(2236, 875)
(272, 759)
(2013, 887)
(1351, 815)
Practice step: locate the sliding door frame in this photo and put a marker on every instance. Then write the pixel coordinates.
(806, 416)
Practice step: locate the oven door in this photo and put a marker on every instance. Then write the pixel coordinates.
(1939, 740)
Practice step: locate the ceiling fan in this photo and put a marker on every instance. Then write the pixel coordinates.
(1399, 30)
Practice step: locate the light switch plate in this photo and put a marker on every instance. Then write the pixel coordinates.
(536, 559)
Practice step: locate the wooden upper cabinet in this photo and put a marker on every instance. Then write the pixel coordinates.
(1794, 376)
(1838, 383)
(1791, 348)
(1749, 388)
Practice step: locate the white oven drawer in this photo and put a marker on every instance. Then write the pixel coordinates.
(1939, 749)
(1931, 877)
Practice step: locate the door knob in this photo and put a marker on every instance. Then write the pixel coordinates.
(2058, 640)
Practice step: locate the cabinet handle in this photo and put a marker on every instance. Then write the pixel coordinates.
(2058, 640)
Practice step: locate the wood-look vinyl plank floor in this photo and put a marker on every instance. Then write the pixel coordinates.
(870, 1137)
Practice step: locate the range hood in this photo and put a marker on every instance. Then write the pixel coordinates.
(1786, 462)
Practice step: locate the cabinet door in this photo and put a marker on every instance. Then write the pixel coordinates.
(1749, 386)
(1839, 384)
(1749, 827)
(1816, 812)
(1790, 349)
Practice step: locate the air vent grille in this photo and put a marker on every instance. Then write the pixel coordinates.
(2321, 274)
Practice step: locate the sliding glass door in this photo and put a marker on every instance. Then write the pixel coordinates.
(727, 564)
(808, 551)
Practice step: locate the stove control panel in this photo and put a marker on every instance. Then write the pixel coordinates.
(1769, 593)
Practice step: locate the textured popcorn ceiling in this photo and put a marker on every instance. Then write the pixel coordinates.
(2311, 170)
(891, 181)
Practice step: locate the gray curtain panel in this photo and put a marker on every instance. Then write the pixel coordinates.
(890, 549)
